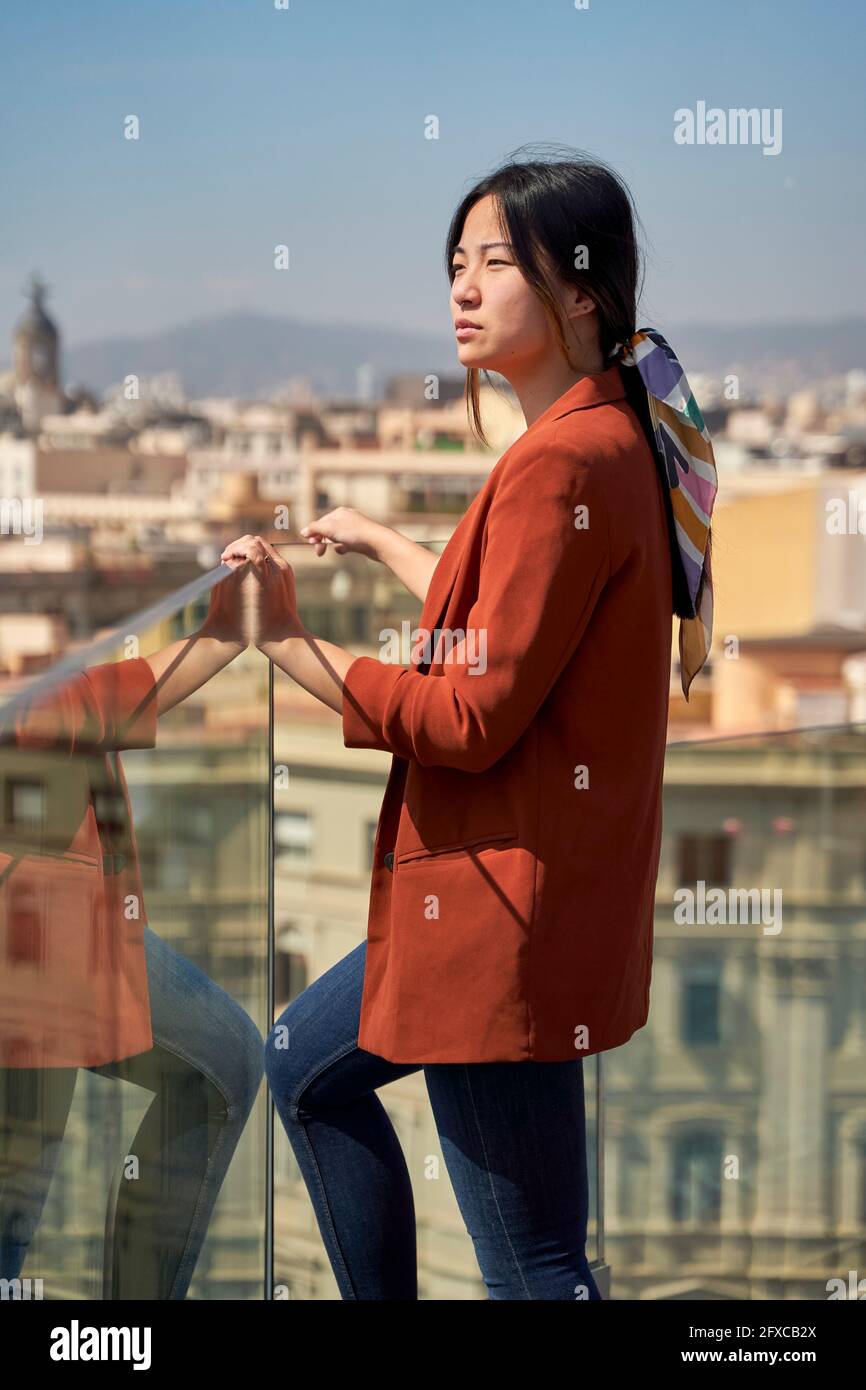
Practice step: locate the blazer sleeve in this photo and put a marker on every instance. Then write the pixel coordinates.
(546, 562)
(104, 707)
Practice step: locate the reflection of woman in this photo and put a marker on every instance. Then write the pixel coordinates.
(86, 983)
(511, 909)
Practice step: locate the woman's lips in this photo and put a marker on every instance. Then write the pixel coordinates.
(467, 332)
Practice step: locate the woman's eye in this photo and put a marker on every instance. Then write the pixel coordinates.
(492, 261)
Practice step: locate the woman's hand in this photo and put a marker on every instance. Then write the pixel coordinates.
(274, 608)
(346, 529)
(227, 616)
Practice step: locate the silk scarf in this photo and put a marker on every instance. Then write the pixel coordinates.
(685, 449)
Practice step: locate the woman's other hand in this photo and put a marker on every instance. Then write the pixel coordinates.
(274, 613)
(346, 529)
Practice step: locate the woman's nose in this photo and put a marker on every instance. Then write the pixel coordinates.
(468, 298)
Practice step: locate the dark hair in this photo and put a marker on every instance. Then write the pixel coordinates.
(549, 206)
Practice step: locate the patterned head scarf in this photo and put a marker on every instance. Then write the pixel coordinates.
(684, 447)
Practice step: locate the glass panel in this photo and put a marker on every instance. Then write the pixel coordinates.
(736, 1119)
(133, 970)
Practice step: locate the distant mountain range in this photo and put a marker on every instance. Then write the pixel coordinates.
(254, 356)
(771, 357)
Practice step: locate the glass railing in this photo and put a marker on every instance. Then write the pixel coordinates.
(134, 952)
(163, 896)
(141, 942)
(735, 1135)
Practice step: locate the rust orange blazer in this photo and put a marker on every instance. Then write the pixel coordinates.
(517, 850)
(73, 974)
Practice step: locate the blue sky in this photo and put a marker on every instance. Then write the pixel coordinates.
(306, 127)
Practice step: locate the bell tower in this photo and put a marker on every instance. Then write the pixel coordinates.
(36, 358)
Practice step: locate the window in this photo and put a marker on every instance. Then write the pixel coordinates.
(290, 976)
(318, 618)
(173, 867)
(820, 707)
(706, 857)
(359, 625)
(196, 824)
(696, 1179)
(701, 999)
(293, 835)
(25, 804)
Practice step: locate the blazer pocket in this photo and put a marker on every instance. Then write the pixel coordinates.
(50, 911)
(457, 847)
(461, 919)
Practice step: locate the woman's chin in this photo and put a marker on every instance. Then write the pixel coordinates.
(468, 355)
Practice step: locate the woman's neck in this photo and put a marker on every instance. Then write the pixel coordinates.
(540, 389)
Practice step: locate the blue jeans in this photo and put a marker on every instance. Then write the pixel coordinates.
(512, 1136)
(205, 1069)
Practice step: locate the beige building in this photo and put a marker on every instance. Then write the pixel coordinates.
(789, 571)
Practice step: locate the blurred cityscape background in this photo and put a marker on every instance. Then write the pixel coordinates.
(729, 1154)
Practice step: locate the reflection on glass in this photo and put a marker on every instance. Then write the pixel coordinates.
(735, 1135)
(133, 950)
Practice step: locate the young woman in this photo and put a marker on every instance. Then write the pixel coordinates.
(511, 909)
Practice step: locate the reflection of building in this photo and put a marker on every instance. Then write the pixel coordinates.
(735, 1122)
(36, 361)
